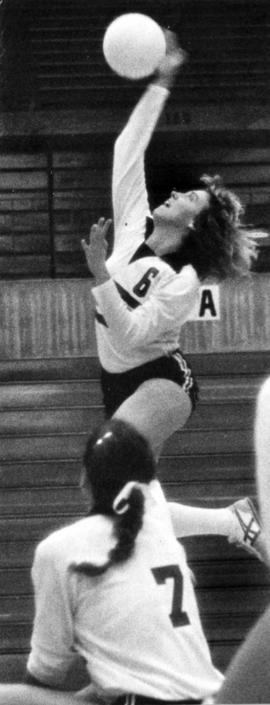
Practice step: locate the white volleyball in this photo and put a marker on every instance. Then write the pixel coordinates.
(134, 45)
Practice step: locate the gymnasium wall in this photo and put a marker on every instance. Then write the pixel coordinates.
(43, 319)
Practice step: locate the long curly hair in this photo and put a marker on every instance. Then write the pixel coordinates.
(218, 244)
(116, 454)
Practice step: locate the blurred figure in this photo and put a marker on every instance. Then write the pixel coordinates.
(262, 442)
(248, 676)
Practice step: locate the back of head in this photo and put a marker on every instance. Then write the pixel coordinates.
(117, 461)
(116, 454)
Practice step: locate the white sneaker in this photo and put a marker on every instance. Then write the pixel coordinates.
(248, 533)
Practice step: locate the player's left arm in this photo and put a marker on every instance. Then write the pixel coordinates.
(24, 694)
(52, 643)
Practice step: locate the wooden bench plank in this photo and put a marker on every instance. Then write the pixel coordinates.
(50, 500)
(185, 469)
(229, 417)
(72, 446)
(56, 394)
(55, 473)
(42, 501)
(39, 421)
(254, 364)
(80, 393)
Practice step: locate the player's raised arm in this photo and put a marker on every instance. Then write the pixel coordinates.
(130, 200)
(169, 66)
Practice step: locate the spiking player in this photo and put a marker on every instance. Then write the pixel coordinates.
(146, 289)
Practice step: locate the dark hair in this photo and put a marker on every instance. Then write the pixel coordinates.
(218, 245)
(116, 454)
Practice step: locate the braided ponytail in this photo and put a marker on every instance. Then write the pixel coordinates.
(127, 527)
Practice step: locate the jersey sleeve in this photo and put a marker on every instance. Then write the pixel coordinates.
(165, 310)
(176, 514)
(52, 638)
(129, 195)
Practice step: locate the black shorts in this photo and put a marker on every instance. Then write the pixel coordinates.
(116, 388)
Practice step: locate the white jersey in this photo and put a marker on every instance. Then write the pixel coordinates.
(141, 309)
(137, 625)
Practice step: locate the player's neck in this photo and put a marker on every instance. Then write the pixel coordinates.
(165, 239)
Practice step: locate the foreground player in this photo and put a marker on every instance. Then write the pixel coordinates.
(115, 588)
(148, 287)
(248, 677)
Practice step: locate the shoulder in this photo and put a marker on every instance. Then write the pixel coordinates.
(189, 272)
(189, 275)
(185, 281)
(82, 540)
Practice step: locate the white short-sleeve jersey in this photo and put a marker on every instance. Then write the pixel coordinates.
(140, 310)
(137, 625)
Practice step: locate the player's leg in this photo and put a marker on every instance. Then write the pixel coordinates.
(262, 448)
(239, 523)
(248, 677)
(157, 409)
(22, 694)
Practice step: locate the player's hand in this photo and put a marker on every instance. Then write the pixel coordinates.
(96, 249)
(172, 61)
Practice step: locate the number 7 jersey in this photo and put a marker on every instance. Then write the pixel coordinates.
(137, 625)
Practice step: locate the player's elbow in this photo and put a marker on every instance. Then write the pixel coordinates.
(132, 339)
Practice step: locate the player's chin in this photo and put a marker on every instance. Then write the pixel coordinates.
(160, 212)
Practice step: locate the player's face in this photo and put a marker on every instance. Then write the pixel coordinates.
(183, 207)
(180, 210)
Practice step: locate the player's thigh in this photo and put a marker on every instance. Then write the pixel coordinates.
(22, 694)
(157, 409)
(248, 678)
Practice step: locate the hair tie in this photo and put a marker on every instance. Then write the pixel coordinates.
(121, 503)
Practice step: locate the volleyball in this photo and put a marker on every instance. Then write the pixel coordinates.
(134, 45)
